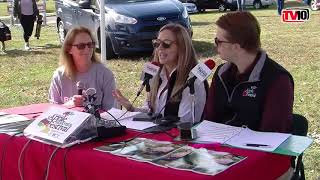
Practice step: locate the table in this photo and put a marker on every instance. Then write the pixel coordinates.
(82, 162)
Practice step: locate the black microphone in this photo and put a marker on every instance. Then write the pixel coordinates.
(150, 69)
(80, 87)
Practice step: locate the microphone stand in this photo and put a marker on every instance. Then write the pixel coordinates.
(186, 129)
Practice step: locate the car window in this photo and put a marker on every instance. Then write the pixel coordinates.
(126, 1)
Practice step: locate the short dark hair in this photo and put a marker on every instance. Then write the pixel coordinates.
(242, 28)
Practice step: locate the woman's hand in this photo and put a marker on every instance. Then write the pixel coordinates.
(123, 101)
(76, 101)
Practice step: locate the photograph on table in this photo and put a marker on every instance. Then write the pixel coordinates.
(201, 160)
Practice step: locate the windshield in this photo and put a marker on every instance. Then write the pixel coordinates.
(126, 1)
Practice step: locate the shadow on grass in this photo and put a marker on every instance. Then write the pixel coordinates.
(200, 23)
(19, 52)
(34, 50)
(204, 49)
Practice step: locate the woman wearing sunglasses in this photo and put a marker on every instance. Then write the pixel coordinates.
(173, 49)
(250, 88)
(81, 78)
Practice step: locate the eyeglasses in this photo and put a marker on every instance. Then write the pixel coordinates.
(165, 43)
(82, 46)
(217, 41)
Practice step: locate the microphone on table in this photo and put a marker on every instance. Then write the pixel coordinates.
(150, 69)
(201, 72)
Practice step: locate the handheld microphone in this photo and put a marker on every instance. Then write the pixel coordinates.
(80, 87)
(150, 69)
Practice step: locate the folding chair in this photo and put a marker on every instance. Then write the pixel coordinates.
(300, 128)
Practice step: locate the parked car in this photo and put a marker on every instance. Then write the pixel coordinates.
(315, 5)
(257, 4)
(130, 24)
(191, 8)
(221, 5)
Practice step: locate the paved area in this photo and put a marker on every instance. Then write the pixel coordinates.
(51, 19)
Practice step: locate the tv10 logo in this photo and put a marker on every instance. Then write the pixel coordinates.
(295, 15)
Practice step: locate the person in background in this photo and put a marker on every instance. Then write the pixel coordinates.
(173, 49)
(250, 88)
(280, 6)
(241, 5)
(27, 12)
(81, 67)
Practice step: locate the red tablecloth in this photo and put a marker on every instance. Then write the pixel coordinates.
(82, 162)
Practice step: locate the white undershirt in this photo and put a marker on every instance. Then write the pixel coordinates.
(185, 104)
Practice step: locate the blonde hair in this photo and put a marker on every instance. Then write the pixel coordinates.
(186, 61)
(66, 59)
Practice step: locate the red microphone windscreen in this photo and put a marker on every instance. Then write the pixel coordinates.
(155, 63)
(210, 63)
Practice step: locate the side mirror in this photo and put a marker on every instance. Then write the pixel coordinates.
(84, 4)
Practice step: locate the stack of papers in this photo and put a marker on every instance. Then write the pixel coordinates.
(243, 137)
(126, 119)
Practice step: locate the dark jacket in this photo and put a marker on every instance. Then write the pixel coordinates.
(17, 9)
(244, 103)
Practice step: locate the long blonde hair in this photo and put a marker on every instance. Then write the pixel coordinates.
(66, 59)
(186, 61)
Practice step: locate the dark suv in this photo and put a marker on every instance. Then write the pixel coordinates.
(130, 24)
(221, 5)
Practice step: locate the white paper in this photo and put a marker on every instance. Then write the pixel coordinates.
(208, 131)
(127, 119)
(56, 124)
(10, 118)
(240, 137)
(270, 139)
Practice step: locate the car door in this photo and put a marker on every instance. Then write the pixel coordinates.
(89, 17)
(69, 13)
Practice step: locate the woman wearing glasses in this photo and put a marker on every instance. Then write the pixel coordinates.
(250, 88)
(81, 78)
(173, 49)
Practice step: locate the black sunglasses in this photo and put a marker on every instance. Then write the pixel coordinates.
(165, 43)
(217, 41)
(82, 46)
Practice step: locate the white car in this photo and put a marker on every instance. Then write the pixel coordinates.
(257, 4)
(191, 8)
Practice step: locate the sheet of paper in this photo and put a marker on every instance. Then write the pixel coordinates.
(10, 118)
(294, 145)
(127, 119)
(208, 131)
(263, 141)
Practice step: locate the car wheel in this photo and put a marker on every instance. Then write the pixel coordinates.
(61, 32)
(222, 7)
(313, 5)
(257, 4)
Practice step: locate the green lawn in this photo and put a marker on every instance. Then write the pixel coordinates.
(25, 76)
(50, 7)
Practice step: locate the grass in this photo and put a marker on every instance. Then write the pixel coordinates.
(49, 3)
(25, 76)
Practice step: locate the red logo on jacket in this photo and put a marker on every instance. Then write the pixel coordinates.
(250, 92)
